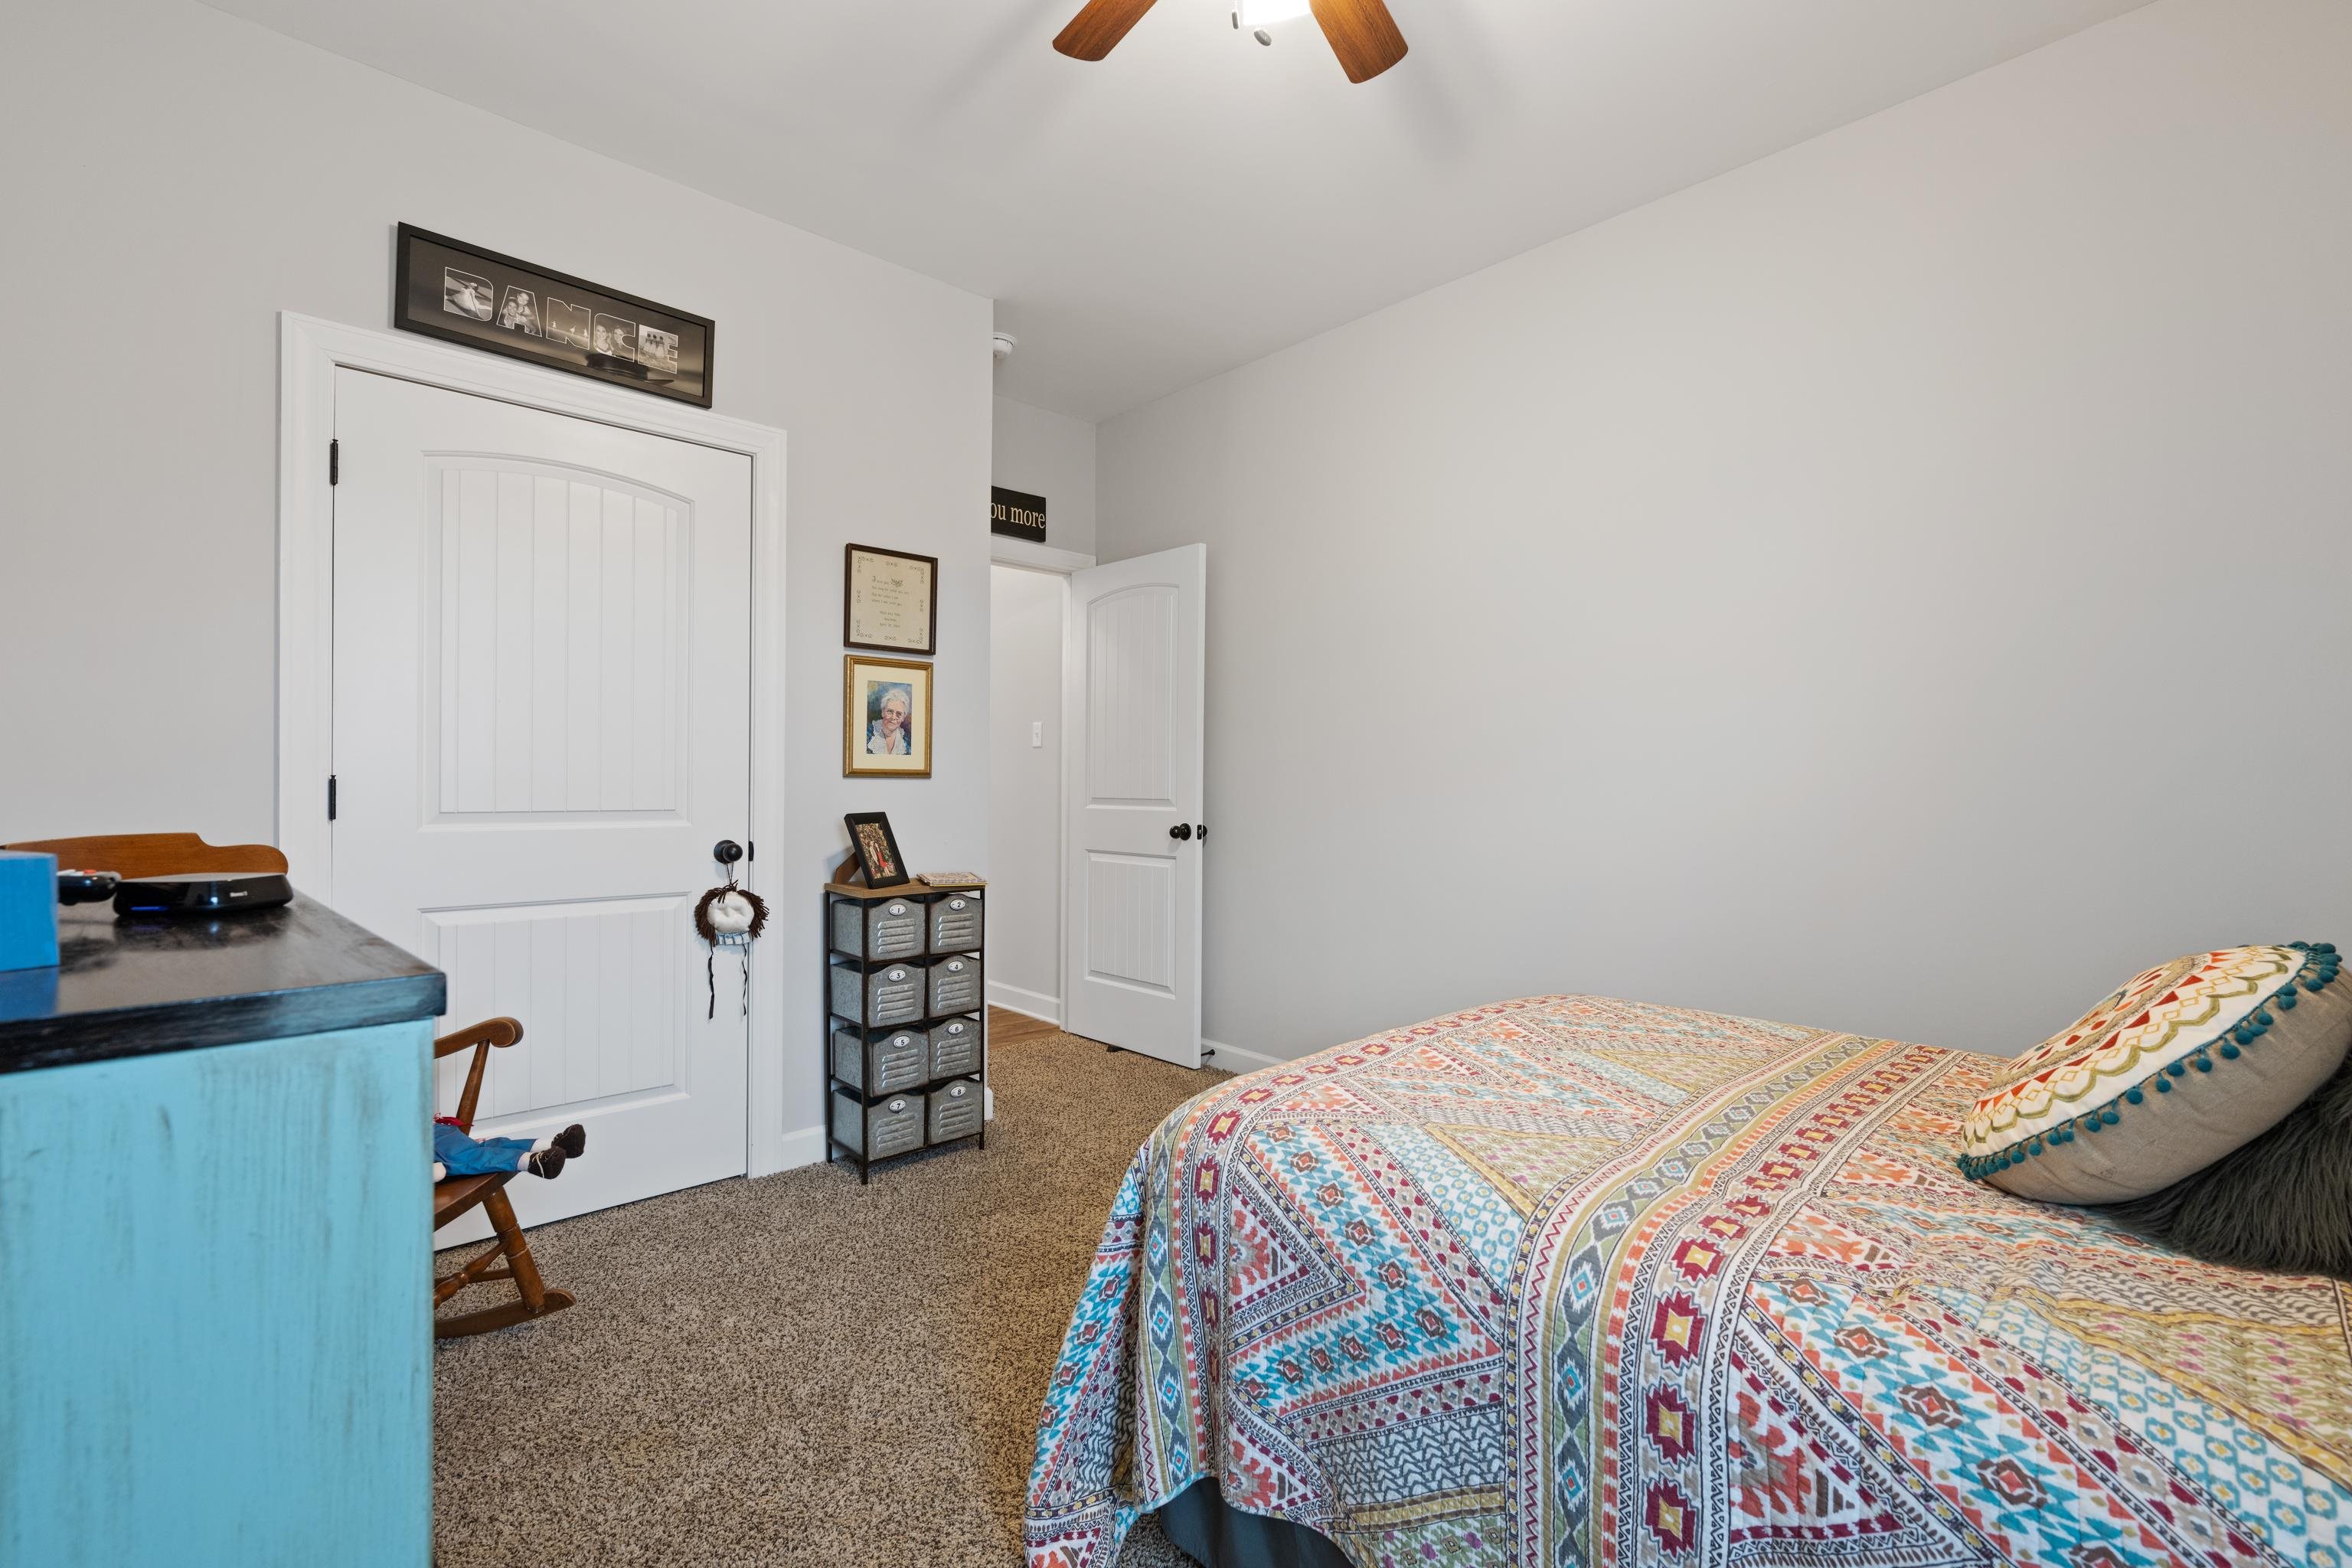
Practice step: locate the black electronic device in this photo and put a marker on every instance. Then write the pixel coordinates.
(85, 887)
(203, 893)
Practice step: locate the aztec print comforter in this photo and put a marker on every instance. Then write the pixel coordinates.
(1577, 1281)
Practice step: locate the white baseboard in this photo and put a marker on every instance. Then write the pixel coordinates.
(802, 1146)
(1232, 1059)
(1028, 1004)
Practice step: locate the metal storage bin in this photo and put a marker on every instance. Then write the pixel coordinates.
(881, 998)
(954, 985)
(955, 1048)
(890, 928)
(955, 922)
(893, 1126)
(881, 1063)
(958, 1110)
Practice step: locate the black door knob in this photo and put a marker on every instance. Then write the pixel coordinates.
(726, 852)
(1201, 831)
(1182, 830)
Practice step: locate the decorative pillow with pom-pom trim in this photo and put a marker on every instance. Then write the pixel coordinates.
(2184, 1064)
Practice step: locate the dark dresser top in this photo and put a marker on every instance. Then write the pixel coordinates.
(127, 988)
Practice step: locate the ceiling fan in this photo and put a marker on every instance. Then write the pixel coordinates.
(1362, 33)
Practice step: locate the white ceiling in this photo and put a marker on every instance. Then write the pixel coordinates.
(1195, 201)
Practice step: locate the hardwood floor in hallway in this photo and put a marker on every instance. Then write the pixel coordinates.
(1007, 1027)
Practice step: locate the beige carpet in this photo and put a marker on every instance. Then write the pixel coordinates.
(798, 1371)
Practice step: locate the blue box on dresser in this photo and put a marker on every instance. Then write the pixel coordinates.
(28, 910)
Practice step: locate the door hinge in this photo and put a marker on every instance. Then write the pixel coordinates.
(334, 462)
(330, 797)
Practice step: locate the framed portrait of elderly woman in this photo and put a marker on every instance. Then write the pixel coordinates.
(886, 718)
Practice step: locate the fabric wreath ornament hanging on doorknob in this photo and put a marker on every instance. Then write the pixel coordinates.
(730, 917)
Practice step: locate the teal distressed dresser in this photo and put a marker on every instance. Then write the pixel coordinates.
(215, 1264)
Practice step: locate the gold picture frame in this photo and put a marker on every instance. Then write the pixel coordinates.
(886, 718)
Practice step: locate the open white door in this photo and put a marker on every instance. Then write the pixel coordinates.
(541, 680)
(1131, 727)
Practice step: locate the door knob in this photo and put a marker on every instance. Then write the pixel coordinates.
(1182, 830)
(726, 852)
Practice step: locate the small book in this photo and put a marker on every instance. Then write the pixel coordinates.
(950, 879)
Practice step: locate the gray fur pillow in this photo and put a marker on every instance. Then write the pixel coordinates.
(2281, 1203)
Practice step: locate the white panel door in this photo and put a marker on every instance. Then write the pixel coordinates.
(542, 710)
(1131, 727)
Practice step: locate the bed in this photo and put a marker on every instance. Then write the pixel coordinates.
(1574, 1280)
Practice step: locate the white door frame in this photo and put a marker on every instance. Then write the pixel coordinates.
(1005, 551)
(310, 352)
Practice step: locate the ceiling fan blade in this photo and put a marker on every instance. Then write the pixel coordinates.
(1096, 30)
(1362, 34)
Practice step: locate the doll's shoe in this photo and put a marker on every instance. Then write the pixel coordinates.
(547, 1162)
(572, 1140)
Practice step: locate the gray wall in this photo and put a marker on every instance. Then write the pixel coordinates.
(1050, 455)
(1895, 586)
(1025, 790)
(173, 178)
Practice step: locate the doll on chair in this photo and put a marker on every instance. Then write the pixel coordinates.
(455, 1154)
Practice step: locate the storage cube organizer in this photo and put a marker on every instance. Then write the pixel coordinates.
(880, 998)
(955, 1048)
(954, 985)
(905, 1051)
(882, 1062)
(955, 922)
(892, 1126)
(891, 929)
(958, 1110)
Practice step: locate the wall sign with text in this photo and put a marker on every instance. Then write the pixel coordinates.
(1015, 515)
(446, 288)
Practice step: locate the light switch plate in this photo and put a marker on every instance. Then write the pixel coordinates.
(1037, 732)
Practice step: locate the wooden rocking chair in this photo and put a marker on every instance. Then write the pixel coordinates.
(458, 1194)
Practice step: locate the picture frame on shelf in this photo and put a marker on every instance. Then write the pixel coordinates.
(889, 600)
(886, 718)
(878, 849)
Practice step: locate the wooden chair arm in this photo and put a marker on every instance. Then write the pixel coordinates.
(478, 1039)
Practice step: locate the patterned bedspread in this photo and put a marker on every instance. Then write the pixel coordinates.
(1571, 1280)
